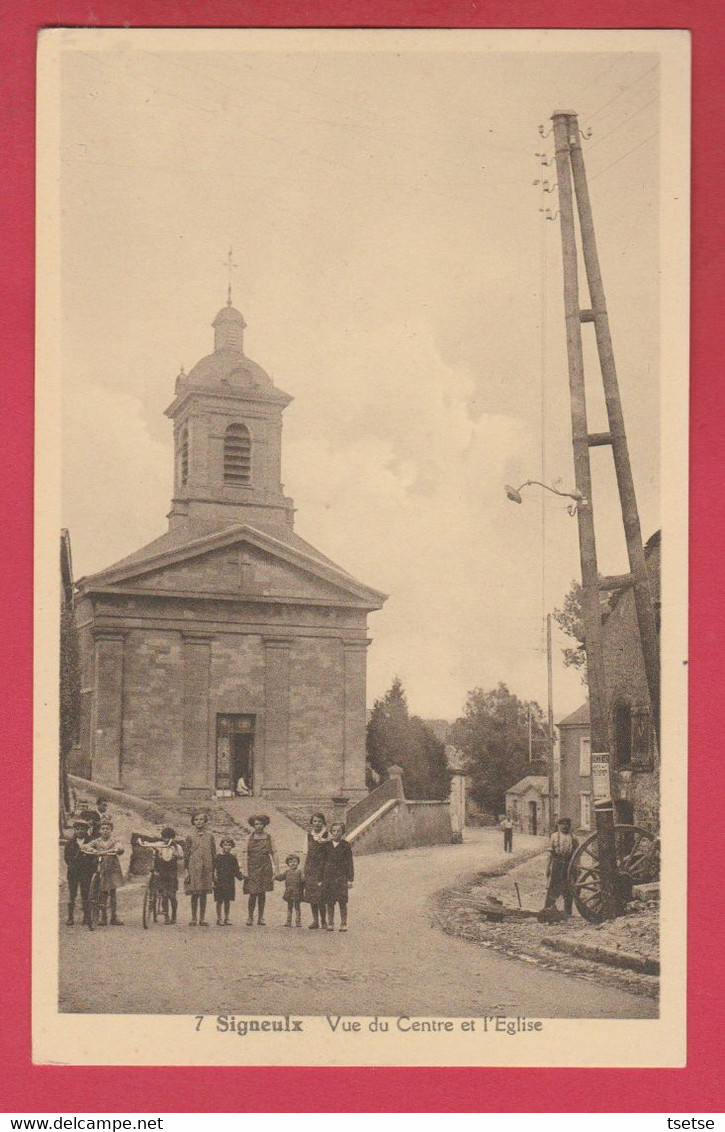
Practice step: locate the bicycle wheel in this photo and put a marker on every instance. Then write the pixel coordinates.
(94, 901)
(149, 899)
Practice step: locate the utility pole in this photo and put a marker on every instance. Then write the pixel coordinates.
(570, 167)
(550, 682)
(617, 437)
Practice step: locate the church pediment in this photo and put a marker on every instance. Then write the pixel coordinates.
(243, 562)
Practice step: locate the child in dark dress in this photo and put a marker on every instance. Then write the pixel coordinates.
(337, 875)
(226, 869)
(318, 840)
(293, 889)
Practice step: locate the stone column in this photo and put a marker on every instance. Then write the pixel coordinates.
(354, 717)
(107, 738)
(197, 770)
(275, 772)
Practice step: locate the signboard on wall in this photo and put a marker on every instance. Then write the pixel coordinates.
(601, 780)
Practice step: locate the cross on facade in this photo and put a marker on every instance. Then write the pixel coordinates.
(230, 266)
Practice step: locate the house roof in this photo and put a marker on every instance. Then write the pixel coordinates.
(578, 718)
(531, 782)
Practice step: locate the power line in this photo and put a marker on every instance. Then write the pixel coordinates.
(620, 93)
(618, 159)
(622, 123)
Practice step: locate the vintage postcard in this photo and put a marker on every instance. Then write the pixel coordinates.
(362, 398)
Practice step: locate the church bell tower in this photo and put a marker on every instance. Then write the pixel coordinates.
(227, 416)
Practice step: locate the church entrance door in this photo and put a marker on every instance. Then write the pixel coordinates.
(234, 754)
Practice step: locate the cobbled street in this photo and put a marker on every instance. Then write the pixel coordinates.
(393, 961)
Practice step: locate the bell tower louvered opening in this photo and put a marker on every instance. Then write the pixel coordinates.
(237, 455)
(184, 455)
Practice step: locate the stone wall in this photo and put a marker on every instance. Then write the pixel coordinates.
(154, 686)
(406, 825)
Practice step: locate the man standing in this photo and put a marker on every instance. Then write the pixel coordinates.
(561, 851)
(508, 833)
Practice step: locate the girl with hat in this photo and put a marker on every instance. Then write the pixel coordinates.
(260, 866)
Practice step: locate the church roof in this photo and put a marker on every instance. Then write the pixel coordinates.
(197, 538)
(229, 366)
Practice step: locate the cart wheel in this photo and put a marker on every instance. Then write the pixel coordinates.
(148, 900)
(94, 901)
(638, 862)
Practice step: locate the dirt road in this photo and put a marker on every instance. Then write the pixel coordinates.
(393, 961)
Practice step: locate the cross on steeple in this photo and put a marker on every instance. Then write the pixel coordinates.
(230, 268)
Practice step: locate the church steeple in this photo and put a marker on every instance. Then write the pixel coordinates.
(227, 416)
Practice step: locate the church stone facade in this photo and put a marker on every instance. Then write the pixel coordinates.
(229, 647)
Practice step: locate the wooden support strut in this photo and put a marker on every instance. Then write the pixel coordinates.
(617, 582)
(597, 439)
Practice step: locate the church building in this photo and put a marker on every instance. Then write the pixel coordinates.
(228, 648)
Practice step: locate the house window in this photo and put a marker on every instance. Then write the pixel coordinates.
(585, 755)
(237, 454)
(585, 811)
(184, 454)
(622, 734)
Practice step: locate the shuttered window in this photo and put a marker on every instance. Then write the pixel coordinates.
(237, 454)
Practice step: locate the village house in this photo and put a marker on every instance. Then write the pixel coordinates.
(634, 757)
(527, 804)
(228, 648)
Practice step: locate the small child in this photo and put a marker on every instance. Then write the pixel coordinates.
(293, 889)
(108, 849)
(337, 875)
(167, 854)
(80, 868)
(226, 869)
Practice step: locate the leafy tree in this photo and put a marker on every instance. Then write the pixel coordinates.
(70, 694)
(493, 734)
(397, 738)
(570, 619)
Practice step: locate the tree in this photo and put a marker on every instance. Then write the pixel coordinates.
(493, 734)
(570, 619)
(70, 695)
(397, 738)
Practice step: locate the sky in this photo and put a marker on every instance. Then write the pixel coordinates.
(398, 279)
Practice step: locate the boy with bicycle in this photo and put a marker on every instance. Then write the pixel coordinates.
(107, 849)
(165, 869)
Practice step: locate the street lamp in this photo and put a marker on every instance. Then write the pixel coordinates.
(514, 493)
(578, 500)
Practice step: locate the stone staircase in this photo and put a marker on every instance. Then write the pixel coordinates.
(288, 837)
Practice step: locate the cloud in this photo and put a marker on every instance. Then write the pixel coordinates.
(117, 480)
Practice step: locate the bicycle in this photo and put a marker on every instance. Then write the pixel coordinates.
(154, 903)
(96, 898)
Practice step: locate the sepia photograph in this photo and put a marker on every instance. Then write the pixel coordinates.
(362, 406)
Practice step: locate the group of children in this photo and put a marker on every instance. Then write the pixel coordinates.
(320, 877)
